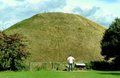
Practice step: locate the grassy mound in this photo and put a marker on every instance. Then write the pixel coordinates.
(54, 36)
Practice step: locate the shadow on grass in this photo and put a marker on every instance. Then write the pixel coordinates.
(114, 73)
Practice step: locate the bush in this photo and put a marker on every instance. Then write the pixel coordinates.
(13, 52)
(101, 65)
(88, 66)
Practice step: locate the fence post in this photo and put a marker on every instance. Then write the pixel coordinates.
(29, 66)
(52, 65)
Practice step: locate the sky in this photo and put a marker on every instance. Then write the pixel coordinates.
(101, 11)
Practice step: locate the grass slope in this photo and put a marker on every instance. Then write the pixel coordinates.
(53, 36)
(53, 74)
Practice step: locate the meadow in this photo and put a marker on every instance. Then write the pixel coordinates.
(60, 74)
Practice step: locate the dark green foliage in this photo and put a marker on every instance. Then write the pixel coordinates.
(12, 52)
(104, 65)
(101, 65)
(111, 42)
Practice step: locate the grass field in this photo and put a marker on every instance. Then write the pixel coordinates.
(61, 74)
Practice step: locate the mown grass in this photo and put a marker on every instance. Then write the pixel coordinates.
(54, 36)
(61, 74)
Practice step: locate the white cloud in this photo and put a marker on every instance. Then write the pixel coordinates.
(99, 11)
(10, 3)
(5, 24)
(96, 14)
(34, 1)
(13, 11)
(103, 17)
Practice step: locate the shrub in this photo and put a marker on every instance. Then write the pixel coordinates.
(13, 52)
(101, 65)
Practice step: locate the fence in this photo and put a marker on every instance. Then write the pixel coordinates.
(46, 66)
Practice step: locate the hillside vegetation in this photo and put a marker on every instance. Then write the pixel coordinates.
(54, 36)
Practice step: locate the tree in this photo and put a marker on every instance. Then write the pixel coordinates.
(13, 51)
(110, 43)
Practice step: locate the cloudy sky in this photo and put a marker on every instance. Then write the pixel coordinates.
(100, 11)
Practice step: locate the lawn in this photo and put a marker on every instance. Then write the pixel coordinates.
(61, 74)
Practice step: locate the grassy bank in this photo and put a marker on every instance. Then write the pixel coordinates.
(55, 35)
(61, 74)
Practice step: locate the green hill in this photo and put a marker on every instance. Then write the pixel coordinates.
(54, 36)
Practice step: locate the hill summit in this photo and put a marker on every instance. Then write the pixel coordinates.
(54, 36)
